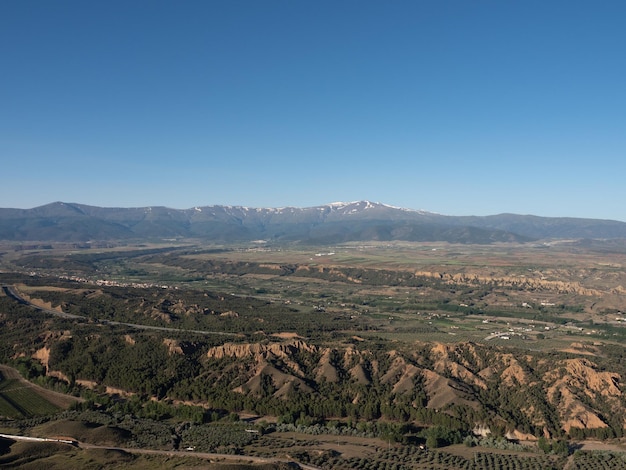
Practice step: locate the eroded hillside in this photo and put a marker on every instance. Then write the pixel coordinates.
(523, 343)
(526, 394)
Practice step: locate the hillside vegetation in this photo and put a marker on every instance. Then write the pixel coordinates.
(416, 345)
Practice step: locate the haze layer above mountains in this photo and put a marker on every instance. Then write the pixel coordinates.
(332, 223)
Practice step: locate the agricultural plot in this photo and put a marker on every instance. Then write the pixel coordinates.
(413, 458)
(7, 409)
(20, 401)
(598, 460)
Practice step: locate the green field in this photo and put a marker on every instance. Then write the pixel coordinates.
(17, 400)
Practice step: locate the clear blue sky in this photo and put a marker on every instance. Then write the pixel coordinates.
(458, 107)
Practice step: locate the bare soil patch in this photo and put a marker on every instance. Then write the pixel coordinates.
(347, 446)
(468, 452)
(286, 335)
(603, 446)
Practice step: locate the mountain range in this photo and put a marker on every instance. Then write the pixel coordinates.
(330, 223)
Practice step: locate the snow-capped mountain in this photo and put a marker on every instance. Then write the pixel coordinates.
(330, 223)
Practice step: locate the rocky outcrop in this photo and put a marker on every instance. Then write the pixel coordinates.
(521, 282)
(325, 369)
(566, 391)
(574, 383)
(574, 413)
(445, 363)
(173, 346)
(276, 349)
(442, 391)
(266, 375)
(401, 374)
(513, 374)
(43, 356)
(582, 374)
(449, 375)
(516, 435)
(39, 302)
(262, 352)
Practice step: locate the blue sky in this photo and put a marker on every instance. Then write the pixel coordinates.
(458, 107)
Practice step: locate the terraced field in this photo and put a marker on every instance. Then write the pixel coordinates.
(19, 400)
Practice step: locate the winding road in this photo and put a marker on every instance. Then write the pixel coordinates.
(11, 291)
(169, 453)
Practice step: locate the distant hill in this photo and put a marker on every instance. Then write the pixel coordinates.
(331, 223)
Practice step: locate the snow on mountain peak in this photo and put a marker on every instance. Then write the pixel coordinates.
(338, 207)
(365, 204)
